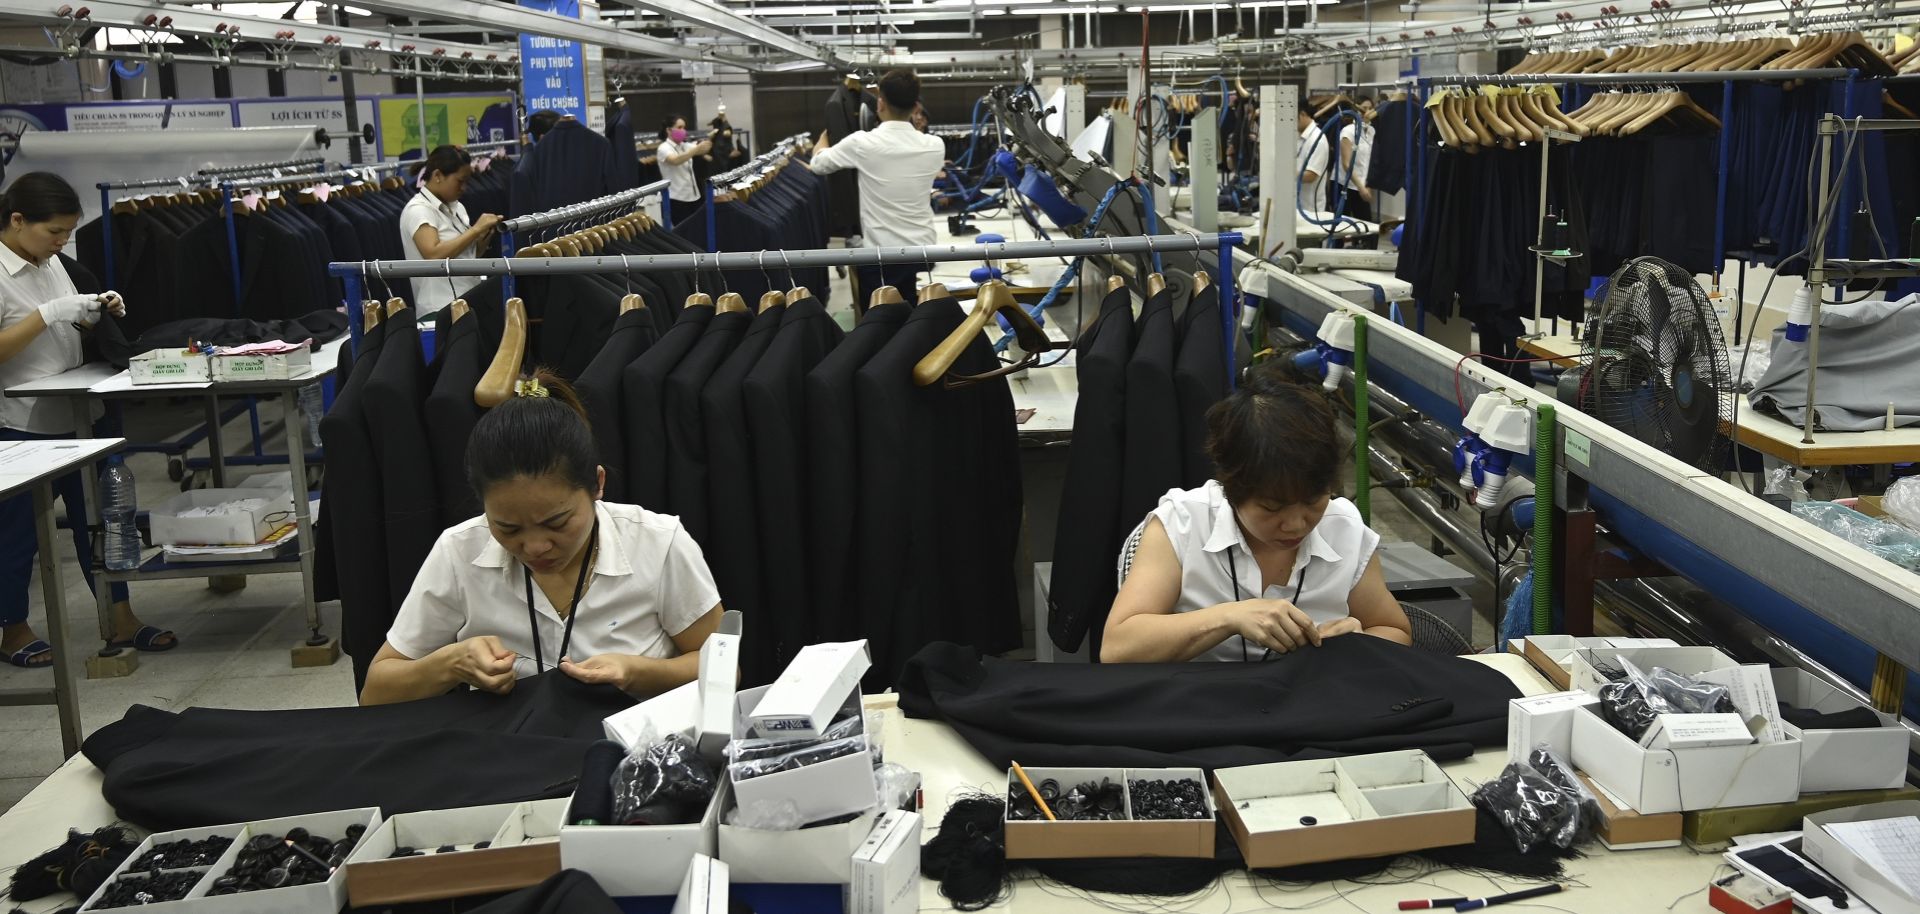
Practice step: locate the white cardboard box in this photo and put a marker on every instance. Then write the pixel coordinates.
(1585, 665)
(823, 790)
(1544, 719)
(523, 849)
(719, 673)
(1874, 886)
(819, 855)
(629, 860)
(1841, 759)
(169, 366)
(319, 898)
(704, 890)
(886, 868)
(278, 367)
(1553, 654)
(813, 687)
(1291, 813)
(253, 516)
(1696, 731)
(704, 707)
(1675, 780)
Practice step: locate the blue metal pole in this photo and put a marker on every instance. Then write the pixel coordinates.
(233, 241)
(355, 293)
(1229, 308)
(106, 232)
(507, 247)
(713, 222)
(1720, 201)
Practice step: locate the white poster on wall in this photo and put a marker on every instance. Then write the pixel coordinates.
(327, 113)
(150, 116)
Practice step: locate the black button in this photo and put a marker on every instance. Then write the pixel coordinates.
(1309, 820)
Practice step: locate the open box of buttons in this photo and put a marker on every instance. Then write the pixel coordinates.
(1110, 812)
(294, 865)
(438, 854)
(1289, 813)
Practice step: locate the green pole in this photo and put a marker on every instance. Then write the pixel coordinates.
(1362, 465)
(1543, 520)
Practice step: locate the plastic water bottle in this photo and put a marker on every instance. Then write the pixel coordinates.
(116, 512)
(311, 408)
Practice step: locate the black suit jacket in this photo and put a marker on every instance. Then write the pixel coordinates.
(1087, 536)
(733, 503)
(834, 468)
(1199, 380)
(777, 425)
(643, 402)
(687, 476)
(1153, 412)
(409, 497)
(451, 415)
(355, 522)
(599, 386)
(939, 510)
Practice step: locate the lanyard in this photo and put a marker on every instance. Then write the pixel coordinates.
(573, 608)
(1233, 569)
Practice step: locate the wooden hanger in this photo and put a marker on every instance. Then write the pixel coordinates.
(496, 386)
(798, 293)
(994, 298)
(1675, 105)
(460, 309)
(1200, 282)
(934, 291)
(1115, 284)
(885, 295)
(632, 302)
(770, 301)
(731, 302)
(371, 314)
(395, 305)
(1156, 283)
(698, 300)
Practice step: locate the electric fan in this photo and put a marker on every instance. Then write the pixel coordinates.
(1654, 364)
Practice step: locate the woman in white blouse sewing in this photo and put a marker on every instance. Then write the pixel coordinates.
(549, 577)
(1263, 559)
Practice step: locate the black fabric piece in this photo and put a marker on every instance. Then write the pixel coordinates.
(643, 404)
(1387, 164)
(686, 440)
(350, 508)
(451, 414)
(733, 495)
(1153, 452)
(1090, 526)
(320, 326)
(409, 496)
(565, 892)
(843, 119)
(599, 386)
(1351, 695)
(626, 158)
(1850, 719)
(201, 766)
(1199, 381)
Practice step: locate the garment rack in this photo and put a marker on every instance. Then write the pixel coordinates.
(490, 144)
(208, 177)
(1633, 79)
(570, 213)
(354, 274)
(727, 178)
(229, 171)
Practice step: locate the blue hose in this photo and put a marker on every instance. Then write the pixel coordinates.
(1334, 173)
(1039, 310)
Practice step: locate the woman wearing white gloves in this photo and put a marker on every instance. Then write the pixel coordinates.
(42, 319)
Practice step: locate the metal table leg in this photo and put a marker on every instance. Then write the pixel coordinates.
(216, 446)
(108, 661)
(56, 598)
(318, 650)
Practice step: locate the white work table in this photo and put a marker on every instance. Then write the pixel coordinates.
(1602, 883)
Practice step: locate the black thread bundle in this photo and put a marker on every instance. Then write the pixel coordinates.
(79, 865)
(969, 855)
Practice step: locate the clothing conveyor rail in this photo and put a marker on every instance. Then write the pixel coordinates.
(577, 212)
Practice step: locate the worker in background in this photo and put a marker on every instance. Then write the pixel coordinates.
(897, 165)
(42, 321)
(498, 597)
(675, 157)
(1356, 148)
(1310, 158)
(920, 118)
(1263, 559)
(726, 154)
(434, 226)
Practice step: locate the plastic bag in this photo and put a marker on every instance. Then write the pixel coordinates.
(664, 783)
(767, 815)
(1889, 541)
(1540, 807)
(1631, 702)
(799, 755)
(1902, 502)
(897, 785)
(1757, 359)
(1785, 481)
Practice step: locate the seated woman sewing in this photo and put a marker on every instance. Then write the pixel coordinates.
(1263, 559)
(500, 595)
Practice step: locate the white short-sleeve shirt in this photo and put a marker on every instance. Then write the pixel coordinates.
(1312, 155)
(1361, 136)
(24, 287)
(681, 185)
(897, 165)
(650, 583)
(1212, 552)
(449, 219)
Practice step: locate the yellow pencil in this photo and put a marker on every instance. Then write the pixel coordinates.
(1035, 794)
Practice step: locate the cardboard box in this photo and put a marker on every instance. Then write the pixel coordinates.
(1675, 780)
(703, 709)
(1743, 894)
(319, 898)
(169, 366)
(252, 517)
(524, 849)
(886, 868)
(822, 854)
(1623, 829)
(1696, 731)
(1544, 719)
(1585, 665)
(1552, 655)
(629, 860)
(1842, 759)
(280, 367)
(1064, 840)
(823, 790)
(704, 890)
(1715, 826)
(1862, 877)
(1362, 806)
(812, 689)
(719, 673)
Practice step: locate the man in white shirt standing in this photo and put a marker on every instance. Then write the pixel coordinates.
(897, 165)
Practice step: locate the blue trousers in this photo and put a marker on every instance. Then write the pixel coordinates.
(19, 543)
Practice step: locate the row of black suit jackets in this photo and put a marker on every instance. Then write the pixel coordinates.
(400, 425)
(570, 164)
(1139, 429)
(788, 213)
(833, 497)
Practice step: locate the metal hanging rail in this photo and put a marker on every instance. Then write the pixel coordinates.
(1598, 79)
(205, 176)
(760, 161)
(601, 206)
(233, 171)
(490, 144)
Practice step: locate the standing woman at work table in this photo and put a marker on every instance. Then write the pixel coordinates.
(434, 226)
(42, 321)
(1263, 559)
(500, 595)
